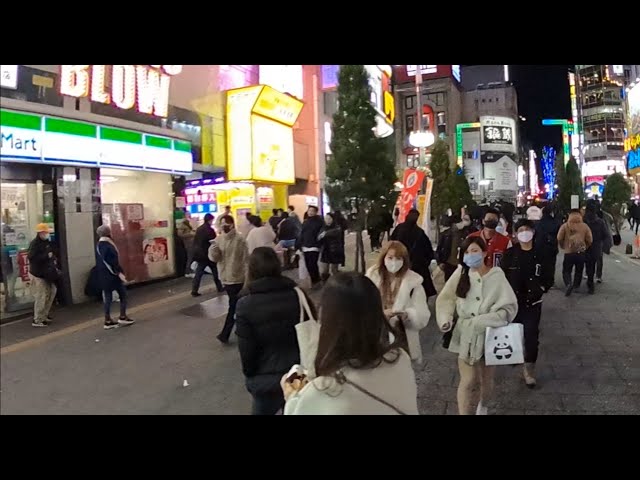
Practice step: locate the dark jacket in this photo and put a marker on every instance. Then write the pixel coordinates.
(529, 284)
(309, 235)
(332, 245)
(599, 231)
(202, 242)
(288, 229)
(420, 252)
(448, 245)
(40, 263)
(108, 265)
(266, 317)
(274, 221)
(546, 240)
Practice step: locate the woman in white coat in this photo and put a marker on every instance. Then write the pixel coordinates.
(402, 300)
(482, 297)
(360, 369)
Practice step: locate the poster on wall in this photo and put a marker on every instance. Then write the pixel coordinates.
(155, 250)
(498, 134)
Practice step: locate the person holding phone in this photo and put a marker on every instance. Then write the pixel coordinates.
(402, 300)
(526, 271)
(112, 278)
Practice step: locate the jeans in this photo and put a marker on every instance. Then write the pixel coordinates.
(311, 260)
(200, 272)
(267, 403)
(286, 244)
(572, 260)
(529, 317)
(232, 291)
(108, 300)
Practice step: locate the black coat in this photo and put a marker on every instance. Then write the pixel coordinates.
(332, 245)
(420, 252)
(600, 234)
(546, 240)
(310, 231)
(41, 264)
(202, 241)
(529, 286)
(108, 266)
(266, 317)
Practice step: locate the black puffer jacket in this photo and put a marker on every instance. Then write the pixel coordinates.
(201, 242)
(332, 241)
(40, 263)
(309, 235)
(266, 317)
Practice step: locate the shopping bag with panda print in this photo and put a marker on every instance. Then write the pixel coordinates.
(504, 345)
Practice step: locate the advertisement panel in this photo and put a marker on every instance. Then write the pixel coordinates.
(498, 134)
(632, 144)
(407, 73)
(412, 183)
(284, 78)
(272, 153)
(9, 76)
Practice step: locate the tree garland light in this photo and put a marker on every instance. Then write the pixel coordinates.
(548, 170)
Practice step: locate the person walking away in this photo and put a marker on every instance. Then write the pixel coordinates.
(611, 227)
(525, 271)
(266, 315)
(43, 274)
(260, 236)
(496, 243)
(288, 232)
(361, 369)
(448, 245)
(295, 219)
(403, 298)
(600, 235)
(481, 296)
(332, 254)
(574, 237)
(218, 224)
(205, 234)
(635, 213)
(374, 228)
(187, 235)
(230, 252)
(387, 224)
(420, 249)
(309, 244)
(275, 219)
(546, 243)
(112, 278)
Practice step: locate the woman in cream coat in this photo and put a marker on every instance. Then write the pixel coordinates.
(402, 300)
(482, 297)
(360, 370)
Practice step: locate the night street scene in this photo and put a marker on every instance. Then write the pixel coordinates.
(320, 240)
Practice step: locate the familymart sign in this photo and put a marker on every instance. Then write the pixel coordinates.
(34, 138)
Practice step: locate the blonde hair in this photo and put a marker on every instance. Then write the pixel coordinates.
(388, 294)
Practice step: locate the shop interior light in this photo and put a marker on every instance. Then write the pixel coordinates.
(484, 183)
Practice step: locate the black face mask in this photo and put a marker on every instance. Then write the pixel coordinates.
(491, 224)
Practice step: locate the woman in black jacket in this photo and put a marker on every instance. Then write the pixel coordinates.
(266, 316)
(331, 247)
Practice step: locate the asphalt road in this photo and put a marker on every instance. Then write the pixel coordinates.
(589, 363)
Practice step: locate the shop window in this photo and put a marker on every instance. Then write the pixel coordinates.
(409, 102)
(23, 206)
(442, 119)
(409, 123)
(138, 206)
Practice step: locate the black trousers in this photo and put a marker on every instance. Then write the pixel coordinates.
(594, 262)
(529, 317)
(550, 259)
(571, 261)
(311, 260)
(233, 291)
(200, 272)
(267, 403)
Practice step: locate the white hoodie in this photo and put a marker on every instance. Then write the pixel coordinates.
(411, 299)
(263, 236)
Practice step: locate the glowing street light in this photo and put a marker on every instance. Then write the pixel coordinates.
(422, 139)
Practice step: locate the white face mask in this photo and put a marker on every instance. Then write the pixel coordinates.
(525, 237)
(394, 265)
(460, 225)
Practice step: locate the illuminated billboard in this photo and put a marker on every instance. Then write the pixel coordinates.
(260, 135)
(382, 98)
(632, 143)
(498, 134)
(284, 78)
(407, 73)
(145, 87)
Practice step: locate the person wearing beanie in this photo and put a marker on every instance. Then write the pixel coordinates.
(43, 273)
(111, 278)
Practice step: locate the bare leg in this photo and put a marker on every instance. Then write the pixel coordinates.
(466, 389)
(486, 383)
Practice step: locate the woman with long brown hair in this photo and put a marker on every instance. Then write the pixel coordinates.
(402, 301)
(360, 369)
(482, 297)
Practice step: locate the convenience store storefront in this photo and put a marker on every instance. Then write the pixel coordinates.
(75, 175)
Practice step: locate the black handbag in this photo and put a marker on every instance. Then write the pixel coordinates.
(52, 274)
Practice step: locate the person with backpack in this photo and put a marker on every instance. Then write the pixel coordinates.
(574, 238)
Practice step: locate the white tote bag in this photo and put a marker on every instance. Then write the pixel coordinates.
(303, 273)
(504, 345)
(308, 333)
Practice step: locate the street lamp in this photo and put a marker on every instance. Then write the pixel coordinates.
(422, 139)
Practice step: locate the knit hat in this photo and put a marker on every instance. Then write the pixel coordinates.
(103, 231)
(42, 228)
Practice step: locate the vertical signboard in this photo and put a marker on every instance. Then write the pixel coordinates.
(498, 134)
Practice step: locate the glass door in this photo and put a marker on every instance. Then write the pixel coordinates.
(22, 207)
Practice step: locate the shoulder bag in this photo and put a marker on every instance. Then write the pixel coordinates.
(308, 333)
(342, 380)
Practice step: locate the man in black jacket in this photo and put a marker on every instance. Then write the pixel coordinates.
(595, 251)
(43, 274)
(525, 271)
(546, 242)
(309, 244)
(205, 234)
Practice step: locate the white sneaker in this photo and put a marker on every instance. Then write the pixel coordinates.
(481, 410)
